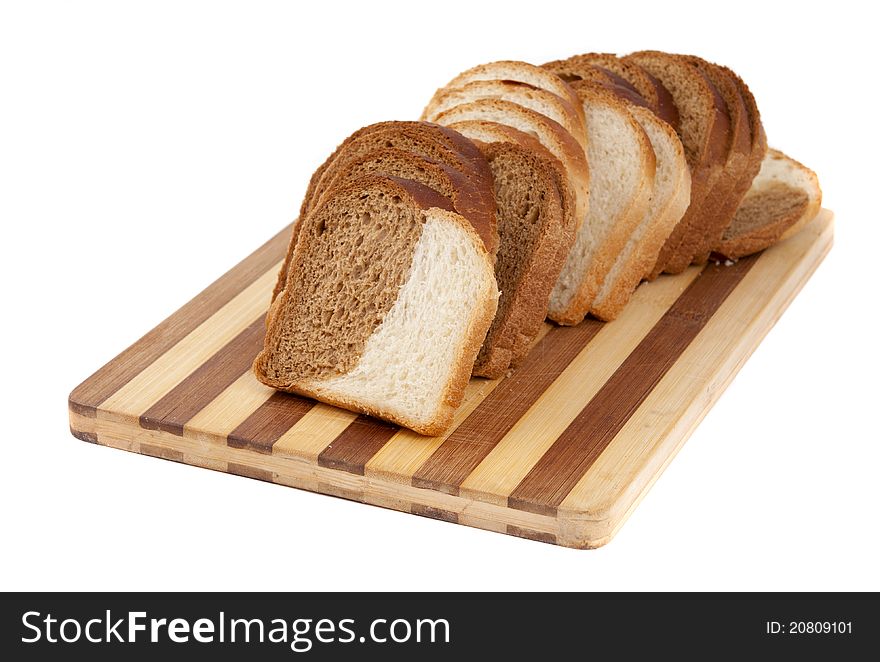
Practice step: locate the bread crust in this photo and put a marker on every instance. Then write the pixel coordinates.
(519, 72)
(462, 154)
(564, 111)
(729, 189)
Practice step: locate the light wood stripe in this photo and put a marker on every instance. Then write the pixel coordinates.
(269, 422)
(313, 432)
(512, 459)
(475, 438)
(653, 434)
(86, 397)
(399, 459)
(226, 412)
(569, 457)
(167, 371)
(210, 379)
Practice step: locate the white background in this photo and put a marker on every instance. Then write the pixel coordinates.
(147, 147)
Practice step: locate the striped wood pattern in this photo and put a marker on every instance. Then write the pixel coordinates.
(560, 451)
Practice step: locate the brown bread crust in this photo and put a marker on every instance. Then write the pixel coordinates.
(530, 256)
(437, 142)
(727, 190)
(467, 199)
(706, 154)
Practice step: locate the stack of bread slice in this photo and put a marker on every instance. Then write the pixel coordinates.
(429, 251)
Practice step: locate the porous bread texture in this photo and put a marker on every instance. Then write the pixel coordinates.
(699, 116)
(669, 201)
(783, 198)
(530, 255)
(729, 190)
(622, 180)
(557, 108)
(467, 199)
(550, 134)
(519, 72)
(392, 327)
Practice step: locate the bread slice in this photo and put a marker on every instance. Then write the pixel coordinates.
(550, 134)
(704, 134)
(517, 72)
(534, 242)
(428, 140)
(728, 192)
(669, 201)
(387, 299)
(557, 108)
(623, 168)
(467, 200)
(783, 198)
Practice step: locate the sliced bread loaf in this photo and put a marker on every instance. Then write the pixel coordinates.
(535, 237)
(557, 108)
(669, 201)
(783, 198)
(550, 134)
(387, 299)
(704, 135)
(622, 180)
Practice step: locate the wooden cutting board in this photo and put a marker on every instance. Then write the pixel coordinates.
(561, 451)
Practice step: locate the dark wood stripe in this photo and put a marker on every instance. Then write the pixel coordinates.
(356, 444)
(529, 534)
(479, 433)
(90, 437)
(86, 397)
(249, 472)
(259, 431)
(196, 391)
(161, 452)
(434, 513)
(572, 454)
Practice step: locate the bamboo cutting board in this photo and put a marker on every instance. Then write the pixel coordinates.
(560, 451)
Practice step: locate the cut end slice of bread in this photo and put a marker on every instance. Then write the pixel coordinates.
(783, 198)
(387, 300)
